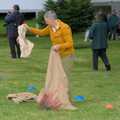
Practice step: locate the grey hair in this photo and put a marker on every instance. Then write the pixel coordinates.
(50, 14)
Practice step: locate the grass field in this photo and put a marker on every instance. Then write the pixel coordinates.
(99, 88)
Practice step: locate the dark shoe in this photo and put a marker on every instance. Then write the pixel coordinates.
(14, 57)
(108, 67)
(94, 69)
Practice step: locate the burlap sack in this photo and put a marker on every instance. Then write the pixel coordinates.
(21, 97)
(25, 45)
(55, 95)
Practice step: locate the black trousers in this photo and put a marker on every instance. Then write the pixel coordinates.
(102, 54)
(113, 33)
(14, 47)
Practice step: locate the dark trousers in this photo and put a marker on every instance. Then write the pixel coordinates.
(14, 47)
(102, 54)
(113, 33)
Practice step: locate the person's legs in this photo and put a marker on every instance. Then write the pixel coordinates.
(18, 49)
(114, 33)
(68, 64)
(95, 59)
(12, 47)
(105, 60)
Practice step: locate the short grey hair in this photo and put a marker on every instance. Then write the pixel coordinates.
(51, 14)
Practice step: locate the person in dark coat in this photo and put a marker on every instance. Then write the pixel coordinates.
(98, 34)
(13, 20)
(113, 22)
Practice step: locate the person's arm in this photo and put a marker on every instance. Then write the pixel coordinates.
(91, 31)
(9, 18)
(41, 32)
(67, 36)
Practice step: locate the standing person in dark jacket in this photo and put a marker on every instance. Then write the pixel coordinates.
(13, 20)
(113, 22)
(98, 34)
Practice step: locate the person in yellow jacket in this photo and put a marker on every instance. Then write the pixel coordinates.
(62, 41)
(61, 37)
(60, 34)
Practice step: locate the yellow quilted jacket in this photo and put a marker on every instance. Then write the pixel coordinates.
(62, 37)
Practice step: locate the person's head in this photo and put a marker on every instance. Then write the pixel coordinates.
(50, 17)
(100, 16)
(16, 8)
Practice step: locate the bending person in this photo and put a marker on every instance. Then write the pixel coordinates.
(56, 92)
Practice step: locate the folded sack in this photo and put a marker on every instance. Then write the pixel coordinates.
(21, 97)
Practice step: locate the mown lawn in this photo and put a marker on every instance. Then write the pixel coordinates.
(99, 88)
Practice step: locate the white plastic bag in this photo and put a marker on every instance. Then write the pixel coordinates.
(87, 35)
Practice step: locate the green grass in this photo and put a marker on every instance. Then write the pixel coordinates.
(99, 88)
(2, 28)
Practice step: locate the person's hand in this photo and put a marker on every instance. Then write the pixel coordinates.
(9, 12)
(56, 48)
(26, 26)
